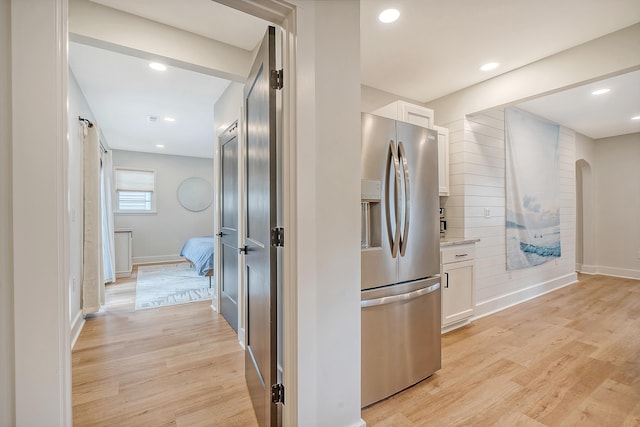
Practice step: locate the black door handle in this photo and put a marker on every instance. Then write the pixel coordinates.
(242, 250)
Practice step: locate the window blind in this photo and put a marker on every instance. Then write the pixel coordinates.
(134, 180)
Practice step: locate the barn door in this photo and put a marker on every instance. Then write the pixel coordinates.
(261, 233)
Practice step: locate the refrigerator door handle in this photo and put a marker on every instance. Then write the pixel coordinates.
(401, 297)
(405, 177)
(393, 234)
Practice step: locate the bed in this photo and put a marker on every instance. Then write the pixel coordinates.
(199, 252)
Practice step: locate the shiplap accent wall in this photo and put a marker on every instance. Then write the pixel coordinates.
(477, 183)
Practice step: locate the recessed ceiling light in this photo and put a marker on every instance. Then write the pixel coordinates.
(600, 91)
(158, 66)
(489, 66)
(389, 15)
(635, 118)
(169, 119)
(160, 145)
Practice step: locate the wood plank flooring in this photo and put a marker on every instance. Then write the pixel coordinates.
(568, 358)
(171, 366)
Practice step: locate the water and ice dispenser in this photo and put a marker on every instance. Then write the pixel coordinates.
(370, 212)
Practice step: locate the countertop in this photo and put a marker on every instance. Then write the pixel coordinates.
(453, 241)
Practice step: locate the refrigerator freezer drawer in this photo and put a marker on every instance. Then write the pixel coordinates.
(400, 337)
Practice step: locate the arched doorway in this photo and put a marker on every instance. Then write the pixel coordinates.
(585, 233)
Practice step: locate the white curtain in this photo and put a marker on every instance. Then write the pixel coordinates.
(92, 281)
(108, 243)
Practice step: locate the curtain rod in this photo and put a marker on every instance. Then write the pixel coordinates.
(87, 121)
(90, 124)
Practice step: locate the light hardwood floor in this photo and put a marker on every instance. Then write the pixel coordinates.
(172, 366)
(568, 358)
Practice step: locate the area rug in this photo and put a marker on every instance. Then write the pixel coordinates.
(170, 284)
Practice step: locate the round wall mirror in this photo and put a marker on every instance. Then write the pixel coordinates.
(195, 194)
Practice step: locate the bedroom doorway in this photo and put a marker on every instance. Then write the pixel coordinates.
(229, 290)
(229, 220)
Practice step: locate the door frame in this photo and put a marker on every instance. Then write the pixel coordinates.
(44, 29)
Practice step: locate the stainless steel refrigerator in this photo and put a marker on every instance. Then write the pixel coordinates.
(400, 243)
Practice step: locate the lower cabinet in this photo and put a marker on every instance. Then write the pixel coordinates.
(122, 242)
(458, 284)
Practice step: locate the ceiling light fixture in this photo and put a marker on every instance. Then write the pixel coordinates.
(158, 66)
(169, 119)
(389, 15)
(490, 66)
(600, 91)
(160, 145)
(635, 118)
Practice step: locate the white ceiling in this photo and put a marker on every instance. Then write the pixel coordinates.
(123, 91)
(599, 116)
(435, 48)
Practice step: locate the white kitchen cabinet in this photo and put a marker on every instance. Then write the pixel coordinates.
(124, 264)
(406, 112)
(458, 284)
(422, 116)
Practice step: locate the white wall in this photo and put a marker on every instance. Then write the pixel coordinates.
(372, 98)
(328, 188)
(7, 398)
(585, 148)
(227, 108)
(159, 237)
(617, 175)
(77, 107)
(477, 181)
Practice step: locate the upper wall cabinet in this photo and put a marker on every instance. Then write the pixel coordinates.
(422, 116)
(410, 113)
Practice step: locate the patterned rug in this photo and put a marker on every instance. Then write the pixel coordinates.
(170, 284)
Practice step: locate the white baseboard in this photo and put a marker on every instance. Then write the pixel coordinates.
(241, 337)
(588, 269)
(494, 305)
(155, 259)
(76, 327)
(618, 272)
(455, 325)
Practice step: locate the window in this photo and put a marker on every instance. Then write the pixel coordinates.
(135, 190)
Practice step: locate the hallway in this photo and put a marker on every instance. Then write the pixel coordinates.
(172, 366)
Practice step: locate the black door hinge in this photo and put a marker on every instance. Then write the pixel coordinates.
(277, 237)
(277, 77)
(277, 393)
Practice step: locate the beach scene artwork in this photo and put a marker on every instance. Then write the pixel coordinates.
(532, 209)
